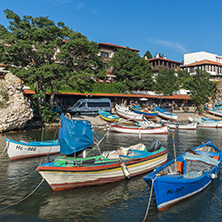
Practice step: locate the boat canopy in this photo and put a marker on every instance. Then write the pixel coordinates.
(74, 135)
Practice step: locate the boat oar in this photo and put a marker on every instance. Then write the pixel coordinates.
(174, 151)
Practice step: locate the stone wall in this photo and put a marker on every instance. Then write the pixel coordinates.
(15, 109)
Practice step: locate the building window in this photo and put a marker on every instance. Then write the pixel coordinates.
(105, 54)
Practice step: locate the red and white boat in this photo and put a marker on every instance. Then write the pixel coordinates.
(180, 126)
(139, 130)
(91, 167)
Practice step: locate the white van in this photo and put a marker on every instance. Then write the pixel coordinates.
(90, 106)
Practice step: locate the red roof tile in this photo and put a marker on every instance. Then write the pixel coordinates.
(117, 46)
(164, 60)
(202, 62)
(186, 97)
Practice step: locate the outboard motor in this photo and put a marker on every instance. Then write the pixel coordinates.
(154, 145)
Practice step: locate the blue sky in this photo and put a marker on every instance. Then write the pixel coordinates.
(171, 27)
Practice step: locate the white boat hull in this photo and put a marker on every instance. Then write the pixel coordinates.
(21, 150)
(72, 178)
(207, 124)
(127, 114)
(138, 130)
(167, 116)
(215, 113)
(191, 126)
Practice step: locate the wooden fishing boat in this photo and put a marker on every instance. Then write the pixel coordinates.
(166, 115)
(215, 112)
(180, 126)
(147, 114)
(88, 166)
(108, 116)
(126, 113)
(138, 130)
(185, 176)
(19, 150)
(206, 123)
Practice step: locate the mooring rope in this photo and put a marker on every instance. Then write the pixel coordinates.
(4, 149)
(148, 205)
(23, 197)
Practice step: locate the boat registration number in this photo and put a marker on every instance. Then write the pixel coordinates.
(25, 148)
(177, 190)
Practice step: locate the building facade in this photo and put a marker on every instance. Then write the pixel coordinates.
(205, 61)
(159, 63)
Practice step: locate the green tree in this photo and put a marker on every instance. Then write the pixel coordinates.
(200, 87)
(166, 82)
(148, 55)
(183, 77)
(48, 55)
(131, 71)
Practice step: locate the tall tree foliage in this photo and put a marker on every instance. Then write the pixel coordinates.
(148, 55)
(46, 55)
(131, 71)
(201, 88)
(166, 82)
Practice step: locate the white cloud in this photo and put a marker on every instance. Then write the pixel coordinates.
(59, 2)
(80, 6)
(168, 44)
(95, 11)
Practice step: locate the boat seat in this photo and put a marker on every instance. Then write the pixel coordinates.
(193, 174)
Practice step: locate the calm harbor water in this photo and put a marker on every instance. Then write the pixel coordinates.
(122, 201)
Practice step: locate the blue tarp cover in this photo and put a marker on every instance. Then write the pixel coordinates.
(74, 135)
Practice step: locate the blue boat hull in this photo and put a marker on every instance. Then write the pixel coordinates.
(172, 188)
(171, 192)
(150, 115)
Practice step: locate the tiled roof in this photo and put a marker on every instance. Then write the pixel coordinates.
(186, 97)
(116, 46)
(164, 60)
(202, 62)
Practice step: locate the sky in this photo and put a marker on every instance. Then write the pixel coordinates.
(169, 27)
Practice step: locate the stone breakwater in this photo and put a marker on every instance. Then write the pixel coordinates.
(15, 109)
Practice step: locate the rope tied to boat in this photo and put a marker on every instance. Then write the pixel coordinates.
(148, 205)
(24, 198)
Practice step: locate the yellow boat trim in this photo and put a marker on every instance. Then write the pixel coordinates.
(111, 170)
(110, 120)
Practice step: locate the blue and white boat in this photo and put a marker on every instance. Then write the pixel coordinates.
(215, 112)
(21, 149)
(166, 115)
(185, 176)
(145, 113)
(108, 116)
(206, 123)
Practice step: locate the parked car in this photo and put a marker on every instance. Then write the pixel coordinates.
(90, 106)
(167, 108)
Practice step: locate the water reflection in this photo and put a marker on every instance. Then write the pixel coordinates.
(122, 201)
(91, 202)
